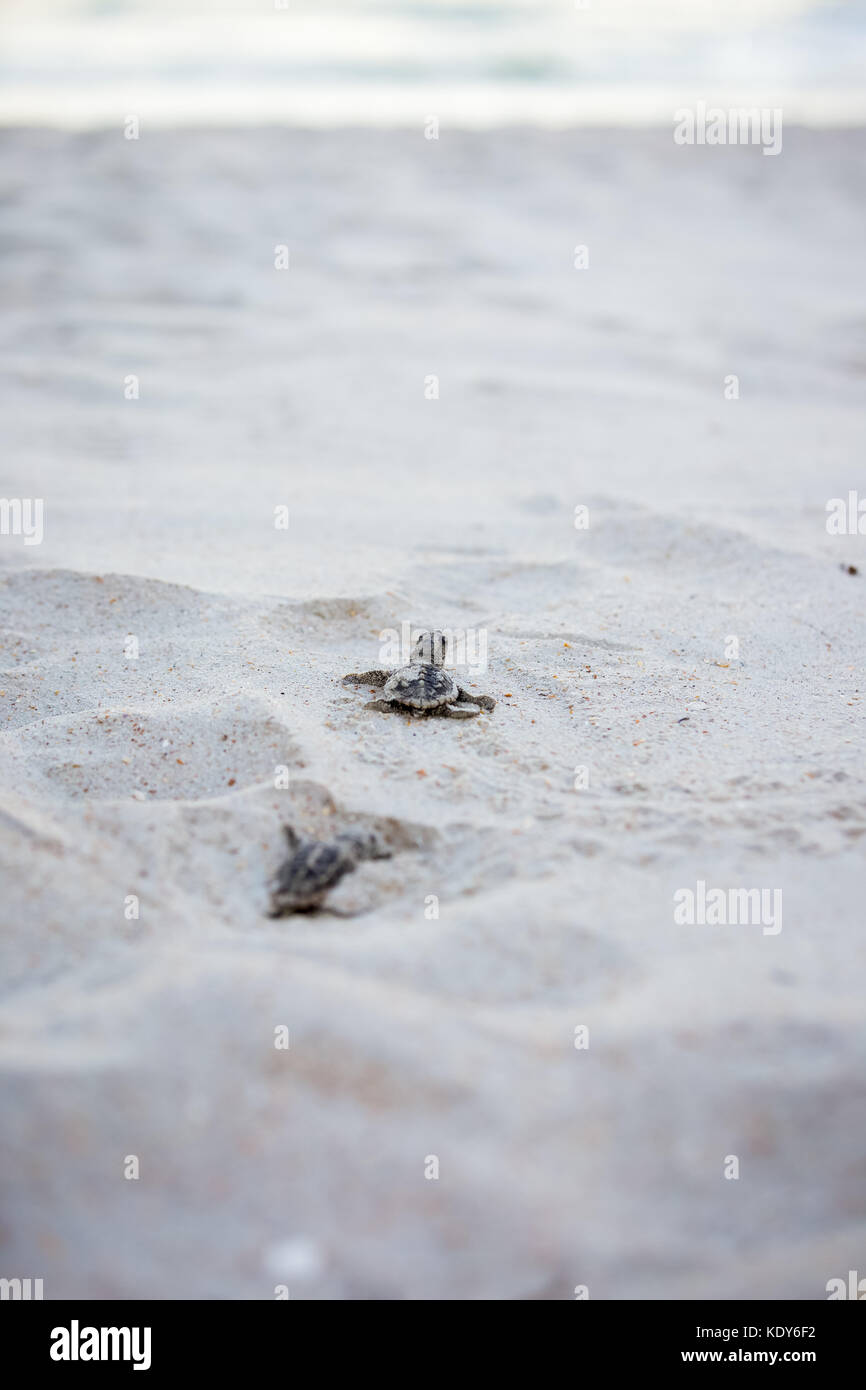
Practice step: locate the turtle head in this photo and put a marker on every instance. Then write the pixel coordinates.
(280, 896)
(430, 649)
(363, 844)
(279, 903)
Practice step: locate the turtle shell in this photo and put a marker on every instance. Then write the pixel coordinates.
(311, 871)
(421, 687)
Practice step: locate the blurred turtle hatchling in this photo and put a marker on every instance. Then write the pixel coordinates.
(314, 867)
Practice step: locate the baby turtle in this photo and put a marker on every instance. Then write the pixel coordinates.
(424, 686)
(314, 867)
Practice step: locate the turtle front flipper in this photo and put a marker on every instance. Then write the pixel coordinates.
(466, 697)
(384, 706)
(459, 711)
(293, 839)
(374, 678)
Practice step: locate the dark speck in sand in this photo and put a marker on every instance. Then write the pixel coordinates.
(849, 569)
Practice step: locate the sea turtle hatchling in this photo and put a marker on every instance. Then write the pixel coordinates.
(424, 686)
(314, 867)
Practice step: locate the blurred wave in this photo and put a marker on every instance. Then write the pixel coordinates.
(557, 62)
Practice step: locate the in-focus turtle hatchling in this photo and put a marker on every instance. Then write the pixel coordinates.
(424, 686)
(314, 867)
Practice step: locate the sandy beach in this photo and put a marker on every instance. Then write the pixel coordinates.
(431, 388)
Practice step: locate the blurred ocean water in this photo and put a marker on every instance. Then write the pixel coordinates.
(484, 62)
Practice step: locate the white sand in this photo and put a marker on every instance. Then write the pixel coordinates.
(155, 777)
